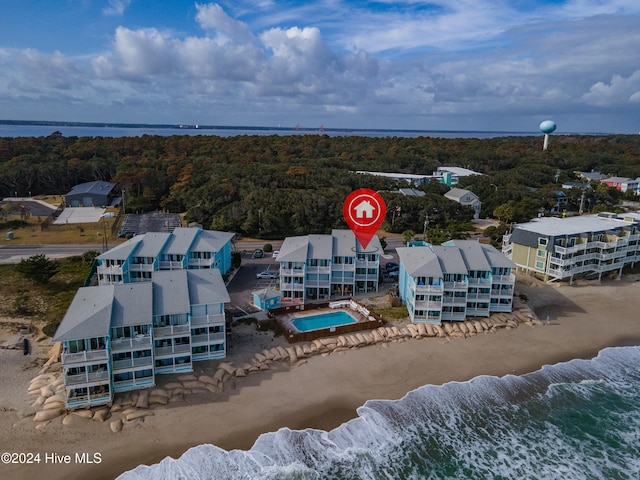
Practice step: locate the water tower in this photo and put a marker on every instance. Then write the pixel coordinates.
(547, 127)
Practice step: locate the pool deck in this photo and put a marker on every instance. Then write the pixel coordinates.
(365, 320)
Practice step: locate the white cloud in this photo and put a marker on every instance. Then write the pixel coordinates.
(619, 91)
(116, 7)
(213, 17)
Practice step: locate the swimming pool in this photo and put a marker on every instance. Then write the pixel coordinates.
(323, 320)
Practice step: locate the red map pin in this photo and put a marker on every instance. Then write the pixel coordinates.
(364, 210)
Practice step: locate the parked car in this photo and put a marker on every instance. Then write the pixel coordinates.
(389, 265)
(269, 275)
(258, 253)
(275, 254)
(394, 273)
(393, 269)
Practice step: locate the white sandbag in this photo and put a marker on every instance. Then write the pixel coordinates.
(116, 426)
(44, 415)
(143, 399)
(138, 414)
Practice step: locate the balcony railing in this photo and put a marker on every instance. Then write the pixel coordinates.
(200, 262)
(171, 330)
(85, 356)
(111, 270)
(456, 285)
(135, 343)
(94, 377)
(167, 265)
(171, 350)
(503, 278)
(132, 362)
(291, 271)
(141, 267)
(478, 281)
(429, 288)
(217, 319)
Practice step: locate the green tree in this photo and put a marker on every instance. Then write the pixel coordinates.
(503, 212)
(38, 268)
(408, 235)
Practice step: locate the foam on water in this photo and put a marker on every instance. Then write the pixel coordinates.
(575, 420)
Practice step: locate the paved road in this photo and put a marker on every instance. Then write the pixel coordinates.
(14, 253)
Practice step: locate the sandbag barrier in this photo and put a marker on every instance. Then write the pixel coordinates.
(134, 406)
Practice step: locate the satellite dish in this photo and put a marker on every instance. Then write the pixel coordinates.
(547, 127)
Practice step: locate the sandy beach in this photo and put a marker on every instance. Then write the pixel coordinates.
(323, 392)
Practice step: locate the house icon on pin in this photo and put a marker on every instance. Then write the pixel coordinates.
(364, 209)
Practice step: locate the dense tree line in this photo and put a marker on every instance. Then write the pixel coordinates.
(274, 186)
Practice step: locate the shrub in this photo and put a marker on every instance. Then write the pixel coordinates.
(267, 248)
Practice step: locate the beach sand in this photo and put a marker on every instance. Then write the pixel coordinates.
(326, 391)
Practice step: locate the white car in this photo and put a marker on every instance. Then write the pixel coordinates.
(268, 275)
(275, 254)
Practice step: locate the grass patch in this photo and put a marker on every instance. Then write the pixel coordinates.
(47, 302)
(31, 233)
(392, 313)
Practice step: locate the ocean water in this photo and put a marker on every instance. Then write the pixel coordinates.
(574, 420)
(91, 130)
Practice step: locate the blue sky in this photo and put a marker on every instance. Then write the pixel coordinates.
(438, 65)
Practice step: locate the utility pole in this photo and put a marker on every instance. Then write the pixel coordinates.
(581, 203)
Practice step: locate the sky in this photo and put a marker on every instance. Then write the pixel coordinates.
(481, 65)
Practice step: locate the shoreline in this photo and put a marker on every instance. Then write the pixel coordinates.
(326, 391)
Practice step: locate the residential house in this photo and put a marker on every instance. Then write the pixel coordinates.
(323, 266)
(623, 184)
(455, 280)
(561, 248)
(118, 337)
(466, 198)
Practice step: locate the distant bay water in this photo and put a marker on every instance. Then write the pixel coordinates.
(43, 129)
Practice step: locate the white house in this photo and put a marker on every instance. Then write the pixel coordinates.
(466, 198)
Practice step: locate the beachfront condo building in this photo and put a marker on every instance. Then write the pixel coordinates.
(561, 248)
(185, 248)
(453, 281)
(324, 266)
(118, 337)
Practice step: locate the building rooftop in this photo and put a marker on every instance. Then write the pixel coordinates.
(206, 286)
(553, 226)
(132, 304)
(181, 240)
(92, 187)
(458, 171)
(420, 262)
(457, 193)
(88, 316)
(211, 241)
(151, 244)
(451, 259)
(170, 292)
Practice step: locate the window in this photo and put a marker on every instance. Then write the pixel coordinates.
(542, 242)
(540, 253)
(540, 265)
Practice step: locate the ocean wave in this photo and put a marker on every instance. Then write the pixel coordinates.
(574, 420)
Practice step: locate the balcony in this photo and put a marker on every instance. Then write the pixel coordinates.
(82, 378)
(86, 356)
(201, 262)
(141, 267)
(171, 330)
(568, 250)
(456, 285)
(136, 343)
(132, 362)
(167, 265)
(111, 270)
(207, 338)
(173, 349)
(511, 278)
(208, 320)
(478, 281)
(291, 271)
(429, 288)
(292, 286)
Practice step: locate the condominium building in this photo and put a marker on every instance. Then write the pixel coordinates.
(561, 248)
(118, 337)
(324, 266)
(455, 280)
(185, 248)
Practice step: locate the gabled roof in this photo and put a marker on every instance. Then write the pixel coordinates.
(170, 292)
(320, 246)
(473, 254)
(151, 244)
(132, 304)
(345, 244)
(456, 194)
(294, 249)
(411, 192)
(122, 251)
(181, 240)
(211, 241)
(88, 316)
(496, 258)
(206, 286)
(97, 187)
(451, 259)
(420, 262)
